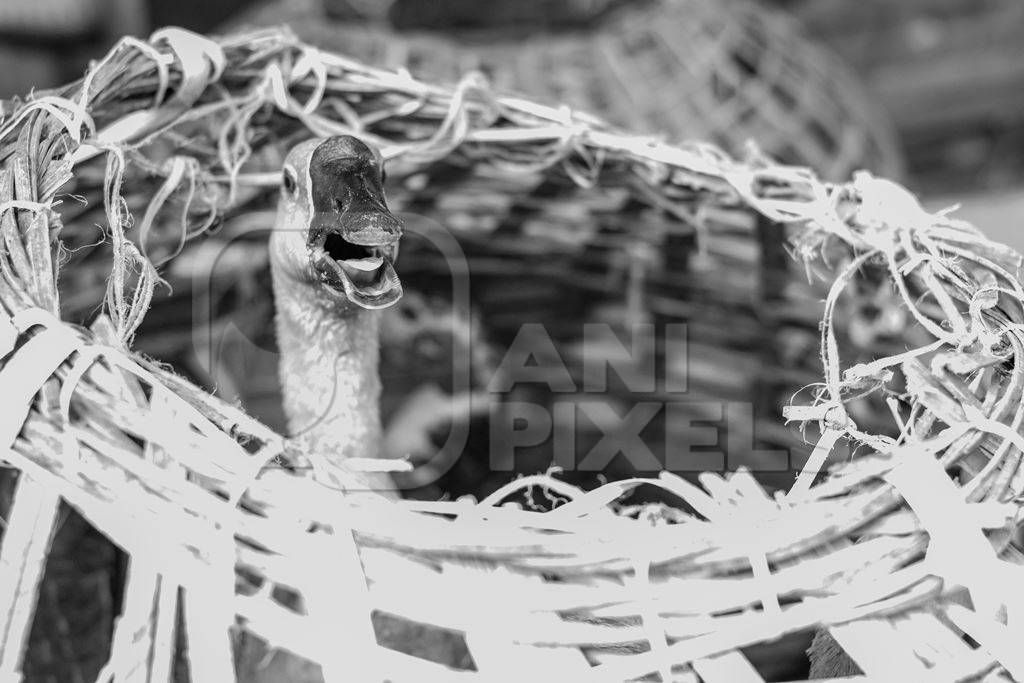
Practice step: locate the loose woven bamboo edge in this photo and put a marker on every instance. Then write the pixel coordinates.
(745, 568)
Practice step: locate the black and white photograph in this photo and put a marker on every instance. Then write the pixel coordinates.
(518, 341)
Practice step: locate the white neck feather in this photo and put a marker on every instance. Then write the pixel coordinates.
(330, 382)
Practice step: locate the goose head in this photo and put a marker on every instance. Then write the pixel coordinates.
(334, 231)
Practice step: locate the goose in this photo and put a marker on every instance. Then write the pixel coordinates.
(332, 256)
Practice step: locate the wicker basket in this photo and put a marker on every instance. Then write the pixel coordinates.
(723, 72)
(227, 528)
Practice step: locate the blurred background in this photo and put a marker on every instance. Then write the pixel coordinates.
(944, 76)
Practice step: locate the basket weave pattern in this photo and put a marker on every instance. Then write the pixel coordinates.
(885, 547)
(723, 72)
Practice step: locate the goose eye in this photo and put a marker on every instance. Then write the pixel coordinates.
(289, 182)
(383, 176)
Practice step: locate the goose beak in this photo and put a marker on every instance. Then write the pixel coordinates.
(365, 274)
(357, 257)
(354, 237)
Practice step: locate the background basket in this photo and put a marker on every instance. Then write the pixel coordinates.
(722, 72)
(187, 135)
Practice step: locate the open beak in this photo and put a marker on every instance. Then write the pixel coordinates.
(354, 248)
